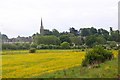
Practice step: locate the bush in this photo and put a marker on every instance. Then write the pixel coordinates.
(33, 45)
(43, 46)
(32, 50)
(15, 46)
(113, 44)
(119, 51)
(53, 46)
(83, 50)
(97, 56)
(65, 45)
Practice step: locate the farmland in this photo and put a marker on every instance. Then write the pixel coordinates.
(21, 64)
(29, 65)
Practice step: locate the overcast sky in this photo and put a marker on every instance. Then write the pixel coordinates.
(22, 17)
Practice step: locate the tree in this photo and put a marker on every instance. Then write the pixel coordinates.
(71, 35)
(99, 31)
(93, 30)
(47, 40)
(64, 33)
(88, 31)
(100, 40)
(65, 45)
(73, 31)
(77, 40)
(10, 47)
(112, 44)
(90, 41)
(55, 32)
(33, 45)
(105, 33)
(4, 37)
(65, 38)
(47, 32)
(84, 32)
(115, 36)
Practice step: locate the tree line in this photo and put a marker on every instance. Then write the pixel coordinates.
(73, 39)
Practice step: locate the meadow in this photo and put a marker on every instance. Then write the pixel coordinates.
(48, 63)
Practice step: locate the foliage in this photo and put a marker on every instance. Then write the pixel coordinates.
(97, 56)
(33, 45)
(91, 40)
(73, 31)
(112, 44)
(65, 45)
(85, 31)
(4, 37)
(65, 38)
(55, 32)
(77, 40)
(100, 40)
(47, 40)
(15, 46)
(47, 32)
(88, 31)
(115, 36)
(32, 50)
(108, 69)
(43, 46)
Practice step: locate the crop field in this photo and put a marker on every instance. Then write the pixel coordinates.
(22, 64)
(30, 65)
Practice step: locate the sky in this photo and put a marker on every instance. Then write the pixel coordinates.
(22, 17)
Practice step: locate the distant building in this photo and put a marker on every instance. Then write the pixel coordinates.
(41, 28)
(18, 40)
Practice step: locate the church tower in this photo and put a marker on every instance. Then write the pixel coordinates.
(41, 28)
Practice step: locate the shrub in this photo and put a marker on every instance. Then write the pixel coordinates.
(53, 46)
(83, 50)
(113, 44)
(43, 46)
(33, 45)
(119, 51)
(8, 46)
(65, 45)
(97, 56)
(32, 50)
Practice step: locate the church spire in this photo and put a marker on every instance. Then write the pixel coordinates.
(41, 28)
(41, 23)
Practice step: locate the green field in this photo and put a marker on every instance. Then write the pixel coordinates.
(53, 64)
(106, 70)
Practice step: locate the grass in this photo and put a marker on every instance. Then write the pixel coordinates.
(14, 52)
(52, 64)
(108, 69)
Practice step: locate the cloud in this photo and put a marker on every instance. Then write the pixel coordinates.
(22, 17)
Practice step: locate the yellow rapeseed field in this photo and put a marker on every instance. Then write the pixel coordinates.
(30, 65)
(115, 53)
